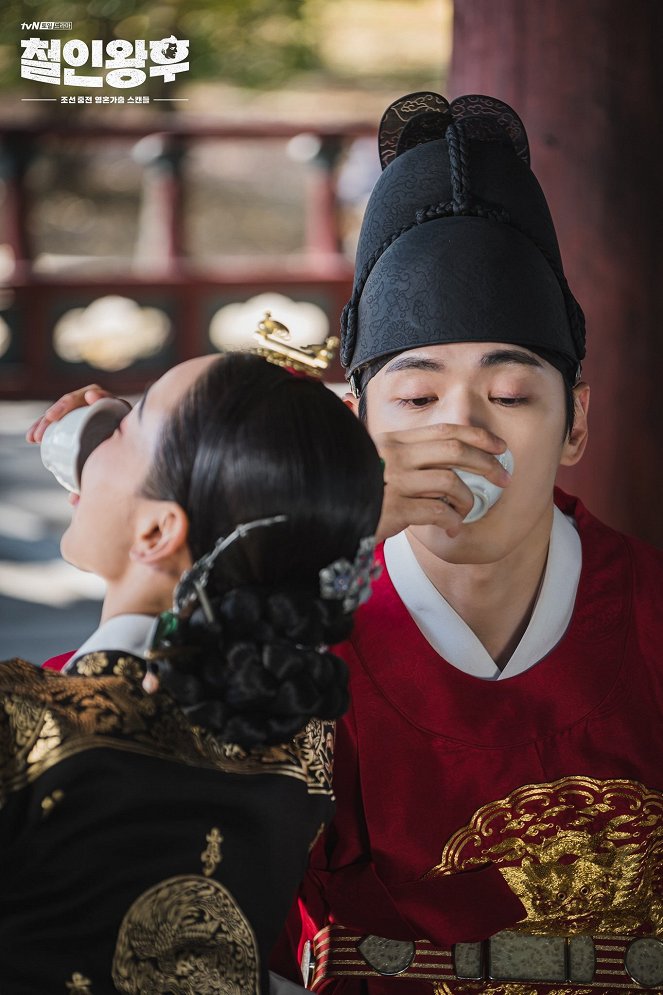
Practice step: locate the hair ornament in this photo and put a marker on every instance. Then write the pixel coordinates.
(351, 582)
(274, 345)
(191, 589)
(192, 583)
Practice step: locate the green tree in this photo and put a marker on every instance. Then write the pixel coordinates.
(254, 43)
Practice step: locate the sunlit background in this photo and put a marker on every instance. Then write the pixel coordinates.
(135, 235)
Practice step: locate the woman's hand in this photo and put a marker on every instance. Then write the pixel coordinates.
(421, 487)
(75, 399)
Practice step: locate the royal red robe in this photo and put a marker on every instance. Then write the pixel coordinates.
(535, 804)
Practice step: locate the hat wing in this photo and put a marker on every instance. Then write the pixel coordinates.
(486, 119)
(411, 120)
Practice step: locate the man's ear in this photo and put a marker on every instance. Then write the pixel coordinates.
(162, 529)
(351, 402)
(574, 445)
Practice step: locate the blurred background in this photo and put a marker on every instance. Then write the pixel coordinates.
(138, 233)
(135, 235)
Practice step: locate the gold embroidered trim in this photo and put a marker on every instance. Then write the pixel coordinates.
(584, 856)
(308, 756)
(186, 934)
(510, 988)
(46, 716)
(211, 855)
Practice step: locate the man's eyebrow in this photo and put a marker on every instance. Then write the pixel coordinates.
(414, 363)
(505, 357)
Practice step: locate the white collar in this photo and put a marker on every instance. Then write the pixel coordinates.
(453, 639)
(123, 633)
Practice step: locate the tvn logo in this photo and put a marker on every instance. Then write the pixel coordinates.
(47, 26)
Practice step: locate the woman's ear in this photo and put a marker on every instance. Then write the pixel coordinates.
(160, 542)
(574, 445)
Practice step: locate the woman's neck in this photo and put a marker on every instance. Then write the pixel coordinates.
(137, 594)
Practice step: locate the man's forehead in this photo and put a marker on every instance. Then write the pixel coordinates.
(482, 355)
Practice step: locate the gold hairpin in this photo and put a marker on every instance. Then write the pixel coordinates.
(311, 359)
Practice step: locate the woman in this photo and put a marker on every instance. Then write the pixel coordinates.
(153, 842)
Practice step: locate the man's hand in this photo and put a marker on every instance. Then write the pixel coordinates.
(75, 399)
(421, 487)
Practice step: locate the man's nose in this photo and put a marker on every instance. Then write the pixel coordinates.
(461, 406)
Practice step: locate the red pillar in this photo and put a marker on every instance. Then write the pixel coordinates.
(586, 76)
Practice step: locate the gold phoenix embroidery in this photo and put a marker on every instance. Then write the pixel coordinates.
(582, 855)
(184, 935)
(46, 716)
(211, 855)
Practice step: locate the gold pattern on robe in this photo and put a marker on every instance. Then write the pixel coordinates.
(308, 756)
(320, 831)
(184, 935)
(46, 716)
(79, 984)
(92, 664)
(49, 802)
(583, 856)
(211, 855)
(128, 667)
(510, 988)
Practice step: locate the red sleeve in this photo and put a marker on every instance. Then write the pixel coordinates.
(57, 662)
(345, 840)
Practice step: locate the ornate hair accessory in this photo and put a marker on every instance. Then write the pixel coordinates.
(193, 582)
(351, 582)
(274, 338)
(191, 588)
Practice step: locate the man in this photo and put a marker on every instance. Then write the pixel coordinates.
(499, 823)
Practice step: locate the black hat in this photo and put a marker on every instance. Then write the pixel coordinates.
(457, 243)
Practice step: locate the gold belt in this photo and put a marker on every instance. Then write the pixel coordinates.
(606, 962)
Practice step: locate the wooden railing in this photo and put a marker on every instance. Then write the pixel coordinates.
(186, 290)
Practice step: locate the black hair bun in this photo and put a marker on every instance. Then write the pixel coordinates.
(261, 669)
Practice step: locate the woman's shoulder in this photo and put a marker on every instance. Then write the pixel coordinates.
(46, 716)
(307, 758)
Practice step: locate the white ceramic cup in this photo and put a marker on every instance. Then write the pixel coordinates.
(485, 493)
(67, 443)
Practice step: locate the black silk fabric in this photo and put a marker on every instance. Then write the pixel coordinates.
(492, 273)
(137, 852)
(460, 280)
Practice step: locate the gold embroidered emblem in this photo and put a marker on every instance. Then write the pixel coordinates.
(583, 856)
(79, 985)
(49, 802)
(211, 855)
(185, 935)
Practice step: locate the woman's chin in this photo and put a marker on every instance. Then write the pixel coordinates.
(68, 550)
